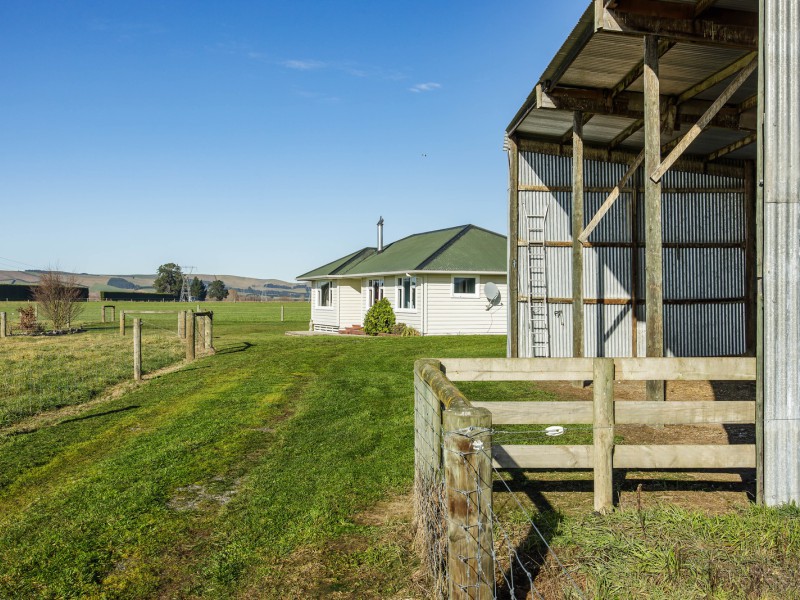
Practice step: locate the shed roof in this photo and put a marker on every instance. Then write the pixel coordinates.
(463, 249)
(598, 70)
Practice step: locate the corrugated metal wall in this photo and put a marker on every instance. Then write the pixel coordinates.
(704, 260)
(781, 176)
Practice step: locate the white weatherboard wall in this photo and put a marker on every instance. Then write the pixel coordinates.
(412, 318)
(325, 318)
(448, 315)
(350, 303)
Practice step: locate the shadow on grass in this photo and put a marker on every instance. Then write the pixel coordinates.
(237, 348)
(529, 556)
(100, 414)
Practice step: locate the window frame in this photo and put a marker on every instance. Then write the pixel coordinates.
(475, 294)
(320, 295)
(371, 287)
(400, 294)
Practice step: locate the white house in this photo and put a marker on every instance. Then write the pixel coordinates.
(445, 282)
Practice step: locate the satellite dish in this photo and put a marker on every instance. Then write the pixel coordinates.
(492, 294)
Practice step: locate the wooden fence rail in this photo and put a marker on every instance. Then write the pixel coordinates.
(444, 418)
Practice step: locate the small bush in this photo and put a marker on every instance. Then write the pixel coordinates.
(27, 319)
(379, 318)
(404, 330)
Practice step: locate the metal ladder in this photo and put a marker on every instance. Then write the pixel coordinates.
(537, 286)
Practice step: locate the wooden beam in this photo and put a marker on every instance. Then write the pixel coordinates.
(517, 369)
(688, 163)
(577, 226)
(626, 133)
(609, 201)
(678, 22)
(654, 309)
(513, 251)
(657, 173)
(663, 47)
(702, 6)
(627, 412)
(539, 413)
(747, 104)
(631, 105)
(684, 456)
(510, 456)
(717, 77)
(627, 369)
(686, 369)
(567, 137)
(737, 145)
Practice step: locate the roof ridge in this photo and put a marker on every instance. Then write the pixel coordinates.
(445, 246)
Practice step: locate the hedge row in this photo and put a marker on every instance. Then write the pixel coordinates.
(137, 296)
(23, 292)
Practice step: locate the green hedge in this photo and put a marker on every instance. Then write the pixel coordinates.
(137, 297)
(23, 292)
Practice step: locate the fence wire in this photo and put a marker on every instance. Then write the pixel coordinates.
(510, 553)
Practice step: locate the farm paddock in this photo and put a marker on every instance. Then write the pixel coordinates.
(282, 467)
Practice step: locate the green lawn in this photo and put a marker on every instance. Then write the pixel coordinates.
(248, 474)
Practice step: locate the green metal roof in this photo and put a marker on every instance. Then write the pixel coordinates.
(333, 268)
(458, 249)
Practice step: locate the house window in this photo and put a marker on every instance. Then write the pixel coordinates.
(407, 293)
(375, 291)
(325, 293)
(465, 287)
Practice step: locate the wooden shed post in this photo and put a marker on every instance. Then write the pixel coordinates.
(189, 335)
(137, 349)
(513, 249)
(3, 324)
(468, 483)
(603, 434)
(577, 227)
(182, 324)
(654, 302)
(122, 322)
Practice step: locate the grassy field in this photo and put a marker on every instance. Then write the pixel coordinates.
(281, 467)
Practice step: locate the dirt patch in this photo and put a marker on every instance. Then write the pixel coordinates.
(376, 563)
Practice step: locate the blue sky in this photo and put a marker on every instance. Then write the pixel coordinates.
(255, 138)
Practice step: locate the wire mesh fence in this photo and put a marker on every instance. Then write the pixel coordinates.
(44, 373)
(470, 545)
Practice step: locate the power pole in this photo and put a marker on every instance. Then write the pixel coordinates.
(187, 271)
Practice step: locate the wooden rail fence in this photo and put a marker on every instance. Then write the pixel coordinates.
(441, 410)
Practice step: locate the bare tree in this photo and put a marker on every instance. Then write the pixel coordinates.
(58, 297)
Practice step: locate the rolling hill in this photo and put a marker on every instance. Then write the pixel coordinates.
(246, 287)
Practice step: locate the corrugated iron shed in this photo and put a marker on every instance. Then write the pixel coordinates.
(704, 102)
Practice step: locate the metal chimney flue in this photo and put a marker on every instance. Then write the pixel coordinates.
(380, 235)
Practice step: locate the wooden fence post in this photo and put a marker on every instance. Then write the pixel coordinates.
(281, 313)
(189, 335)
(103, 314)
(137, 349)
(182, 324)
(122, 322)
(603, 434)
(208, 330)
(3, 324)
(468, 483)
(200, 325)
